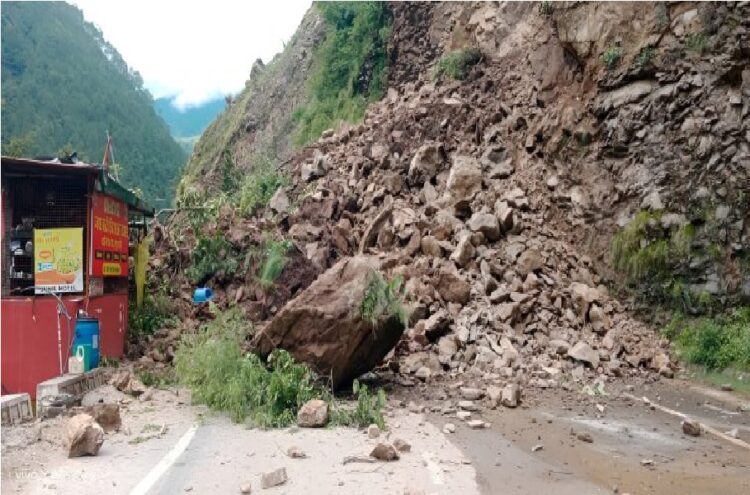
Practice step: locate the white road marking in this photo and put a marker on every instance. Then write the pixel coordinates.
(166, 462)
(436, 474)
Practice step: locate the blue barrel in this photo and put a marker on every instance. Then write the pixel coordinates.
(87, 333)
(202, 294)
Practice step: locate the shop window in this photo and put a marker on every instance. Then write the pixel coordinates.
(37, 202)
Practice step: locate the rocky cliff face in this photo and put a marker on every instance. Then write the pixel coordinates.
(497, 197)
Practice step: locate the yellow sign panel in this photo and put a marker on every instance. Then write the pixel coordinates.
(58, 260)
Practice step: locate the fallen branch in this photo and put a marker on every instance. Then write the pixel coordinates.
(704, 427)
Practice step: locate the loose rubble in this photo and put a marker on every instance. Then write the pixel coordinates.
(83, 436)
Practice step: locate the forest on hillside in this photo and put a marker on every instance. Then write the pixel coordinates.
(64, 87)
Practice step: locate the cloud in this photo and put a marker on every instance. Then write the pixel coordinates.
(195, 50)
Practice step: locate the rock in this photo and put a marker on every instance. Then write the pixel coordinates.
(504, 214)
(727, 387)
(373, 431)
(463, 415)
(426, 163)
(529, 261)
(310, 171)
(599, 320)
(295, 452)
(449, 428)
(423, 373)
(273, 478)
(279, 202)
(120, 379)
(494, 394)
(431, 247)
(464, 252)
(322, 325)
(246, 488)
(476, 424)
(464, 179)
(691, 427)
(511, 395)
(508, 312)
(470, 393)
(327, 134)
(468, 405)
(585, 437)
(447, 348)
(384, 452)
(401, 445)
(83, 436)
(452, 288)
(107, 415)
(486, 223)
(313, 414)
(583, 352)
(583, 296)
(659, 361)
(559, 346)
(537, 447)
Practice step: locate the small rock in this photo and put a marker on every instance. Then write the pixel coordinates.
(476, 424)
(295, 452)
(463, 415)
(107, 415)
(401, 445)
(727, 387)
(384, 452)
(470, 393)
(313, 414)
(468, 405)
(537, 447)
(585, 437)
(691, 427)
(423, 373)
(449, 428)
(83, 435)
(511, 395)
(273, 478)
(733, 433)
(583, 352)
(246, 488)
(373, 431)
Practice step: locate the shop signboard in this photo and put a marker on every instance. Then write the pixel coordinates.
(58, 260)
(109, 237)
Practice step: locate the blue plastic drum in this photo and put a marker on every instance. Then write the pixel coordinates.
(87, 333)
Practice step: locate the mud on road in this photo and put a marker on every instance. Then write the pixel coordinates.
(634, 449)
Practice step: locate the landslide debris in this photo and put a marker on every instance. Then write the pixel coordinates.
(496, 197)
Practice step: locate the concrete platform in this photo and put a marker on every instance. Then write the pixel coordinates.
(16, 408)
(70, 384)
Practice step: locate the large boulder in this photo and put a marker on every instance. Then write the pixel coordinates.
(322, 326)
(83, 436)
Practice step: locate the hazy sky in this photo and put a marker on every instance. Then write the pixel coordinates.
(195, 50)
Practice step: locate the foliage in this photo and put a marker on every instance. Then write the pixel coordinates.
(384, 299)
(696, 42)
(211, 255)
(612, 56)
(457, 64)
(350, 66)
(545, 7)
(62, 82)
(645, 56)
(368, 410)
(274, 260)
(259, 186)
(156, 312)
(211, 363)
(157, 379)
(716, 343)
(650, 257)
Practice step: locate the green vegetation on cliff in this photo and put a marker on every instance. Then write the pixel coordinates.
(64, 86)
(351, 66)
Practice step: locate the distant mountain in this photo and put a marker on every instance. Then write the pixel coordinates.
(190, 122)
(64, 86)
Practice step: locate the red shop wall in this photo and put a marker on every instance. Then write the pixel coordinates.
(29, 336)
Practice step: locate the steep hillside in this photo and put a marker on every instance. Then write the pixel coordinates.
(63, 85)
(547, 178)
